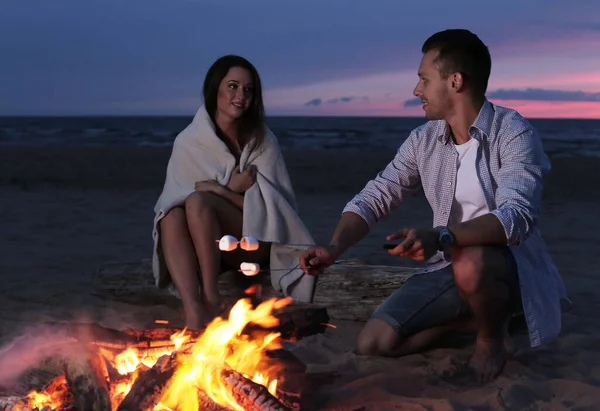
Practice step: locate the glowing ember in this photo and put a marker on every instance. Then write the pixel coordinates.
(53, 397)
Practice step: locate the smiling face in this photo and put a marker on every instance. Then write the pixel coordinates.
(235, 94)
(433, 90)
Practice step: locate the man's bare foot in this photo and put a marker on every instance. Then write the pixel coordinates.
(488, 359)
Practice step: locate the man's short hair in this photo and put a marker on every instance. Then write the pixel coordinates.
(461, 51)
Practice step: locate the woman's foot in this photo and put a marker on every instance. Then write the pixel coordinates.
(196, 317)
(215, 309)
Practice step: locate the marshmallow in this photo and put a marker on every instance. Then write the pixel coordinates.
(249, 269)
(228, 243)
(249, 243)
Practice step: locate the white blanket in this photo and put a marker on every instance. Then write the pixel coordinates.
(270, 212)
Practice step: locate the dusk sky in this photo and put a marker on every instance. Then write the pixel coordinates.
(315, 57)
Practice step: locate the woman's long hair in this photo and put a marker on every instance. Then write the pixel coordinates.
(251, 125)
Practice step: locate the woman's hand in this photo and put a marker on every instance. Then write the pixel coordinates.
(240, 182)
(207, 186)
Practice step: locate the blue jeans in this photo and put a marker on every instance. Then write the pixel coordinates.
(431, 299)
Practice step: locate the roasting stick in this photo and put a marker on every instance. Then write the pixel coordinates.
(249, 243)
(252, 269)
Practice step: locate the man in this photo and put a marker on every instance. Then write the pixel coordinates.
(481, 167)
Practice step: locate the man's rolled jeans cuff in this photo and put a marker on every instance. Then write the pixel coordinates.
(389, 320)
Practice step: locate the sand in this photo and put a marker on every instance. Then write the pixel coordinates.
(67, 211)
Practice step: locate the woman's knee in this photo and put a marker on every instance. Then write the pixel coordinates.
(199, 202)
(174, 220)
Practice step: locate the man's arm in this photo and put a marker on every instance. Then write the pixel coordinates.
(379, 197)
(524, 166)
(349, 231)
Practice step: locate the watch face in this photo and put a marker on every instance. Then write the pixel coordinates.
(445, 239)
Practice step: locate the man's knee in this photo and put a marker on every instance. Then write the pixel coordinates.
(377, 338)
(474, 267)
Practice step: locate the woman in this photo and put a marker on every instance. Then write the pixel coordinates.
(211, 176)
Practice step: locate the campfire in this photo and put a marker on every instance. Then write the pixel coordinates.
(235, 363)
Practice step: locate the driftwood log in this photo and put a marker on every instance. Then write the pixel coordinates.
(293, 324)
(348, 290)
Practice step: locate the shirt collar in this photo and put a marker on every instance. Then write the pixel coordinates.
(482, 124)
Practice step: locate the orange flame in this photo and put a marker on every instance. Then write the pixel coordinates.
(221, 346)
(53, 397)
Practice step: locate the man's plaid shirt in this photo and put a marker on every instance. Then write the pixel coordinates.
(511, 166)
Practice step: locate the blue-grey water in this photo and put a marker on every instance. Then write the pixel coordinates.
(561, 137)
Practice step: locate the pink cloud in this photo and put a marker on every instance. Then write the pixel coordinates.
(529, 109)
(554, 109)
(590, 80)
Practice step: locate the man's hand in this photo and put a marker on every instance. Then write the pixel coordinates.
(240, 182)
(418, 244)
(208, 186)
(314, 260)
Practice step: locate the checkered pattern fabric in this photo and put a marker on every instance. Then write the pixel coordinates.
(511, 166)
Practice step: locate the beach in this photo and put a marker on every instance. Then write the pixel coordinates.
(69, 210)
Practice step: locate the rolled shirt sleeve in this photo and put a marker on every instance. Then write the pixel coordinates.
(524, 166)
(390, 187)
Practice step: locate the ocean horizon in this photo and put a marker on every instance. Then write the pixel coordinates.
(561, 137)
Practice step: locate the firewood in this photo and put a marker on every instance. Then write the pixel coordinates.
(150, 386)
(295, 323)
(250, 395)
(206, 404)
(9, 403)
(292, 384)
(87, 379)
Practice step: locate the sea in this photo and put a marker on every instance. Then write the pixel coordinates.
(561, 137)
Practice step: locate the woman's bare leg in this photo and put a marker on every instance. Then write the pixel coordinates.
(180, 257)
(209, 217)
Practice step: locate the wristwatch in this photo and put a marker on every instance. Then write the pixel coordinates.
(446, 239)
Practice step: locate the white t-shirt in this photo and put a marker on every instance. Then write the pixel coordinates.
(469, 201)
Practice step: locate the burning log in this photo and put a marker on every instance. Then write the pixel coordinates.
(250, 395)
(9, 403)
(348, 290)
(295, 323)
(87, 379)
(150, 386)
(235, 362)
